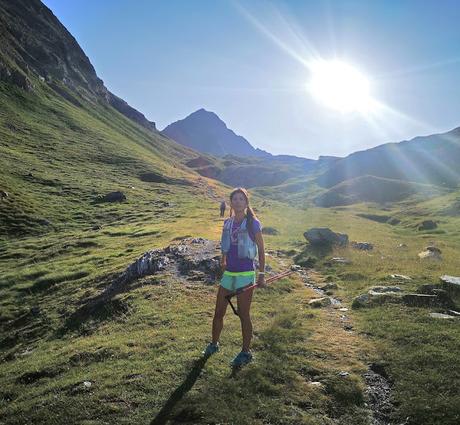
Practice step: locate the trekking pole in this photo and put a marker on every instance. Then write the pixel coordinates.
(247, 288)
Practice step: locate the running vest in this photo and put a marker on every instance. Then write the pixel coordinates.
(247, 248)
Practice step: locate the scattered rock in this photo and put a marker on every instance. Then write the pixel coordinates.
(365, 246)
(340, 260)
(329, 286)
(117, 196)
(427, 225)
(451, 283)
(325, 236)
(269, 231)
(441, 316)
(400, 276)
(320, 302)
(420, 300)
(431, 252)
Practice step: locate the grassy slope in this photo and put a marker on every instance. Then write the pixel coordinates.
(137, 357)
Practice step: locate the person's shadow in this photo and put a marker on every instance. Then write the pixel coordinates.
(163, 415)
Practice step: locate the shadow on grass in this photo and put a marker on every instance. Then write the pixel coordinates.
(180, 392)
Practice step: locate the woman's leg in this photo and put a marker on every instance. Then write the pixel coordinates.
(244, 304)
(219, 313)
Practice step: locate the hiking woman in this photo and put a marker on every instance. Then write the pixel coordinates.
(240, 242)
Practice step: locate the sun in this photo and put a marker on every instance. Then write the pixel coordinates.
(340, 86)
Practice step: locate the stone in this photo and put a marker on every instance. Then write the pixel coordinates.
(329, 286)
(427, 225)
(365, 246)
(340, 260)
(269, 231)
(451, 283)
(400, 276)
(117, 196)
(420, 300)
(384, 289)
(325, 236)
(360, 301)
(431, 252)
(320, 302)
(441, 316)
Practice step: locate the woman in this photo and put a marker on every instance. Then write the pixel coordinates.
(240, 242)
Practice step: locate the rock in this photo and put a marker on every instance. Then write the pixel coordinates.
(454, 313)
(400, 276)
(427, 288)
(420, 300)
(451, 283)
(343, 309)
(329, 286)
(87, 384)
(431, 252)
(340, 260)
(3, 195)
(325, 236)
(117, 196)
(378, 295)
(384, 289)
(296, 267)
(320, 302)
(427, 225)
(402, 246)
(365, 246)
(343, 373)
(441, 316)
(269, 231)
(360, 301)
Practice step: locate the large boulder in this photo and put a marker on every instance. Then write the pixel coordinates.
(325, 236)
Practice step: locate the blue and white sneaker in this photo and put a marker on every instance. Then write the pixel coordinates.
(210, 349)
(242, 358)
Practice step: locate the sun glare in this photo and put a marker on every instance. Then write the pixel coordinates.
(340, 86)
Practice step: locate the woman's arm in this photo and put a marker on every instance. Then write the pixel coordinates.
(261, 249)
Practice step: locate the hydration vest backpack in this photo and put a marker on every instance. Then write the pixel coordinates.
(247, 248)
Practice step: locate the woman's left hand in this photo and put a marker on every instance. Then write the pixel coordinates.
(261, 281)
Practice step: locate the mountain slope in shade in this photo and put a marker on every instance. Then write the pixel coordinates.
(430, 159)
(205, 132)
(35, 44)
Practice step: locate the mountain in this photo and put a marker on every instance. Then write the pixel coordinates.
(34, 42)
(205, 132)
(430, 159)
(66, 141)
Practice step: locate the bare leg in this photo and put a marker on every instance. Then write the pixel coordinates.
(244, 304)
(219, 313)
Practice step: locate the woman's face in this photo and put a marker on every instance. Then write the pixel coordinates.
(239, 202)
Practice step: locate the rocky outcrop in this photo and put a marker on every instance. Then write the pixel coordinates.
(325, 236)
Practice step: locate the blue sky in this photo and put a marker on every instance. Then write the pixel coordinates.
(245, 61)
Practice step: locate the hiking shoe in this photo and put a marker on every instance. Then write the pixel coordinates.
(242, 358)
(211, 349)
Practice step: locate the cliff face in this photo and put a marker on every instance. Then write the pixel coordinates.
(36, 48)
